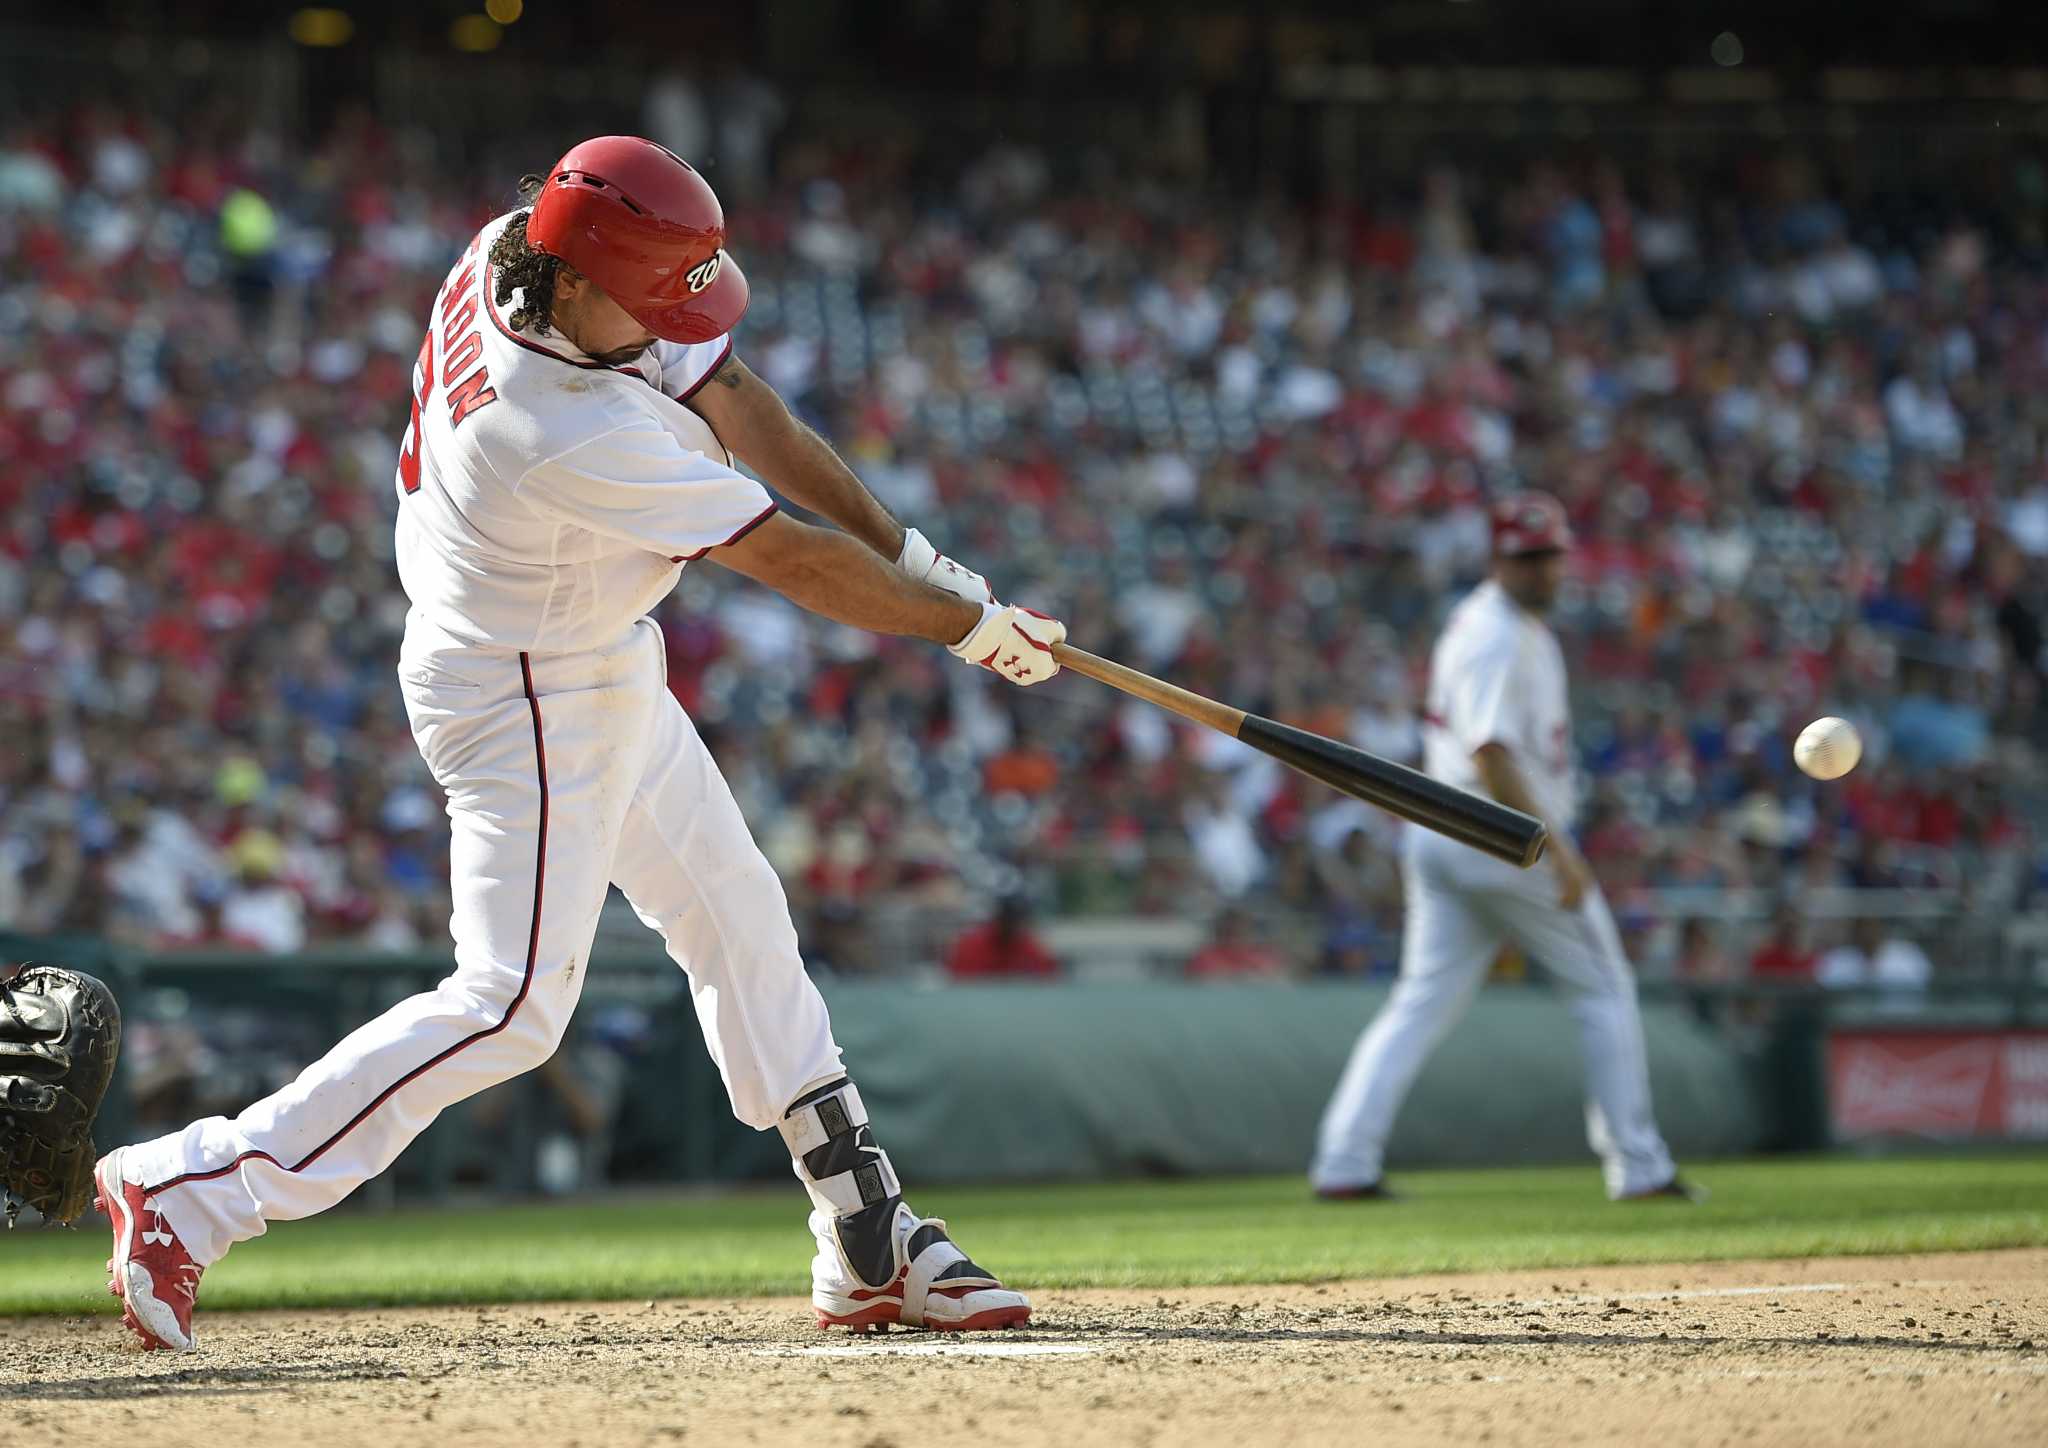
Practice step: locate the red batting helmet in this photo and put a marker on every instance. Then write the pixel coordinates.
(639, 221)
(1529, 523)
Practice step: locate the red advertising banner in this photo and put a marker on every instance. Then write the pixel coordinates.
(1950, 1085)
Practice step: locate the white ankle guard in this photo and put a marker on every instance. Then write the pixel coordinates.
(850, 1179)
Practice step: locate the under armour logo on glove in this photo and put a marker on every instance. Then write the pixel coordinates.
(926, 564)
(1015, 642)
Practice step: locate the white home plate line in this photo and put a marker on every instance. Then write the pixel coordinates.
(937, 1349)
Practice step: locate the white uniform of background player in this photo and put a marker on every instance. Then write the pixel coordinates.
(1497, 686)
(549, 499)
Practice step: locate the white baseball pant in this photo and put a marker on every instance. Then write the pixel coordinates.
(1462, 907)
(564, 773)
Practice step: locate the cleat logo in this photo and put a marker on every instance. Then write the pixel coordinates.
(153, 1230)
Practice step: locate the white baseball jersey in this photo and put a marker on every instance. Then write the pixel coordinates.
(548, 500)
(1497, 676)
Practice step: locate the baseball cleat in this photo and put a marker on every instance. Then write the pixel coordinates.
(1377, 1191)
(150, 1271)
(936, 1286)
(1677, 1189)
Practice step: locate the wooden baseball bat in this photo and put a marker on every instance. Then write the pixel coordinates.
(1471, 819)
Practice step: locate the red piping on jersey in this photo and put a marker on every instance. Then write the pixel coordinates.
(540, 874)
(756, 521)
(709, 373)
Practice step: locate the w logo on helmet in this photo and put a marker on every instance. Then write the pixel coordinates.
(705, 272)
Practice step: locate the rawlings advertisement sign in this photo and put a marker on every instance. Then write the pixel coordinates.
(1948, 1085)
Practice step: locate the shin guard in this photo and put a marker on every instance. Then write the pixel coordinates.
(850, 1179)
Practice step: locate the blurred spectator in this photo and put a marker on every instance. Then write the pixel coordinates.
(1703, 957)
(562, 1113)
(674, 111)
(1360, 950)
(1233, 951)
(1784, 956)
(1800, 439)
(1873, 957)
(261, 912)
(1003, 945)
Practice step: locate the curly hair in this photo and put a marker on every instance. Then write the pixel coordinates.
(519, 267)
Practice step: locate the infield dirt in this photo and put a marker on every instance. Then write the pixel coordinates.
(1939, 1349)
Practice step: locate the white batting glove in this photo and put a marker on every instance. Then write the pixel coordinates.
(1014, 641)
(928, 565)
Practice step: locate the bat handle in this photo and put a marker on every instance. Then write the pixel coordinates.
(1153, 691)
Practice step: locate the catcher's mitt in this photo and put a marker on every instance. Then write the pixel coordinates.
(59, 1034)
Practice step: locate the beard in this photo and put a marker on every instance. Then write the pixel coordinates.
(620, 356)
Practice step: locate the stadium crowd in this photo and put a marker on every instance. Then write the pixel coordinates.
(1803, 447)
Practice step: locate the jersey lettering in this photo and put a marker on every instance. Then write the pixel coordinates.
(464, 354)
(462, 345)
(468, 395)
(465, 315)
(457, 290)
(422, 389)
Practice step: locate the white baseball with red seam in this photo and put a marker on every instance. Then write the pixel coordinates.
(1827, 748)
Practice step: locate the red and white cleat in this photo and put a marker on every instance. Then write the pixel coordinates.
(936, 1287)
(150, 1271)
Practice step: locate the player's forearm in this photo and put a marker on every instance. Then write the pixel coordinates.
(1504, 781)
(810, 474)
(830, 574)
(752, 420)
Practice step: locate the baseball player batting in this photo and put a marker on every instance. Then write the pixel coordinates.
(1498, 720)
(552, 485)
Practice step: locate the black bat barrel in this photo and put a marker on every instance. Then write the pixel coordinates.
(1471, 819)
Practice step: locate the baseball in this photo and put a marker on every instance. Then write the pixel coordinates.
(1827, 748)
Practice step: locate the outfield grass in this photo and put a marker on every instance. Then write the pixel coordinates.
(1117, 1234)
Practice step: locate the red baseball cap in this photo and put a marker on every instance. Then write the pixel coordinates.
(1531, 522)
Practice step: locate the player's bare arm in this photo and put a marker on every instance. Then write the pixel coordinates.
(1504, 781)
(830, 574)
(751, 418)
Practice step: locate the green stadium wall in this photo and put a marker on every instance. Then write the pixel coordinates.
(992, 1082)
(1027, 1081)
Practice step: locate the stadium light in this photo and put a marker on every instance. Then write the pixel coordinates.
(475, 33)
(321, 28)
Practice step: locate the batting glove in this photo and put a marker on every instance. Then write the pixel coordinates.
(927, 565)
(1015, 642)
